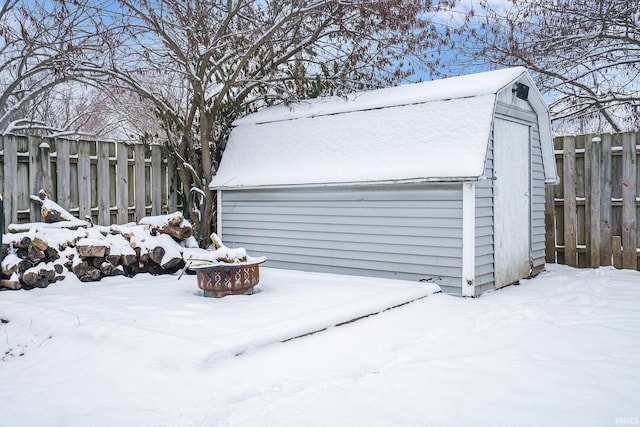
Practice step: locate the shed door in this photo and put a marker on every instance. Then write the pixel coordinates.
(511, 202)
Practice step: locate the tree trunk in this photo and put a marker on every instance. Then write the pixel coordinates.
(207, 217)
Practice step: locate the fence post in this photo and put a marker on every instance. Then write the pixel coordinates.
(594, 203)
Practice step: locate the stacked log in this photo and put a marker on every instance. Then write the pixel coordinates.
(30, 263)
(38, 254)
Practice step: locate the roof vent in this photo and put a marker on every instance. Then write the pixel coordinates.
(522, 91)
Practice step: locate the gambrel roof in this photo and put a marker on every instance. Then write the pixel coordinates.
(431, 131)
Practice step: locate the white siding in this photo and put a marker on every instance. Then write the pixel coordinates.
(411, 232)
(484, 228)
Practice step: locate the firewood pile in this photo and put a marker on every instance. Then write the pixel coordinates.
(38, 254)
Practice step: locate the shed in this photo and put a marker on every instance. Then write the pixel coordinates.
(440, 181)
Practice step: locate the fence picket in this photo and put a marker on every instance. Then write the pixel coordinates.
(602, 227)
(156, 179)
(10, 169)
(570, 208)
(102, 149)
(606, 251)
(45, 167)
(617, 251)
(549, 224)
(34, 176)
(594, 202)
(63, 173)
(139, 186)
(629, 239)
(122, 183)
(85, 177)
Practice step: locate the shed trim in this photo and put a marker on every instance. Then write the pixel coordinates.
(356, 183)
(219, 213)
(468, 238)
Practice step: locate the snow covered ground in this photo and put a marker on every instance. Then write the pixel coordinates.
(560, 349)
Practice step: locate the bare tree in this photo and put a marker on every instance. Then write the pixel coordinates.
(585, 55)
(41, 44)
(203, 63)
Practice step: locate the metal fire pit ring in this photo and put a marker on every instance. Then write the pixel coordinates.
(222, 279)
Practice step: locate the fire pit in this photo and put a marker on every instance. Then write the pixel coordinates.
(222, 279)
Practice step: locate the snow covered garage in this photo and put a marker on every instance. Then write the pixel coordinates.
(441, 181)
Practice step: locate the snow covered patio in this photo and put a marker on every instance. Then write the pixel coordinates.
(561, 349)
(172, 312)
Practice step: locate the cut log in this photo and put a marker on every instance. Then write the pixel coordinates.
(10, 265)
(39, 244)
(35, 255)
(95, 262)
(92, 275)
(24, 265)
(22, 252)
(10, 284)
(156, 254)
(41, 283)
(51, 253)
(48, 273)
(155, 269)
(107, 269)
(69, 225)
(175, 219)
(92, 250)
(177, 232)
(22, 243)
(172, 264)
(215, 241)
(81, 269)
(129, 259)
(8, 270)
(131, 269)
(50, 210)
(30, 277)
(174, 225)
(114, 260)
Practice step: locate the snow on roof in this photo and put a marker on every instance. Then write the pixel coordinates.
(469, 85)
(435, 130)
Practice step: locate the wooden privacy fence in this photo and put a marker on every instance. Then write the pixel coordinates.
(113, 182)
(592, 215)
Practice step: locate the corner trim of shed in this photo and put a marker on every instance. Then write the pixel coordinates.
(219, 212)
(468, 238)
